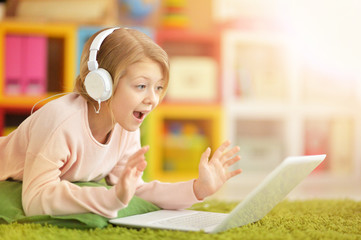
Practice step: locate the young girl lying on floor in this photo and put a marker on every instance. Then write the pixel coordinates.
(93, 133)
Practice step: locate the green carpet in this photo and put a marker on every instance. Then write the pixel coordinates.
(312, 219)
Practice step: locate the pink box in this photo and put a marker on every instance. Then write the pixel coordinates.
(13, 64)
(35, 65)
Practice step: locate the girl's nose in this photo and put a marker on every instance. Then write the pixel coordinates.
(152, 98)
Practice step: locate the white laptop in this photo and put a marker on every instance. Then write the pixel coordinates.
(254, 207)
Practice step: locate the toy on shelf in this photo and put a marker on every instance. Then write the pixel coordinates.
(184, 143)
(139, 9)
(174, 14)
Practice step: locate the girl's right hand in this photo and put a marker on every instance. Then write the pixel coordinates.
(135, 166)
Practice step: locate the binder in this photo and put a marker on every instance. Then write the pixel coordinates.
(35, 65)
(13, 64)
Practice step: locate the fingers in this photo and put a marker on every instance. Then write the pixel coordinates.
(129, 177)
(136, 172)
(218, 153)
(138, 159)
(234, 173)
(141, 166)
(132, 171)
(231, 161)
(140, 152)
(224, 157)
(126, 185)
(231, 152)
(205, 156)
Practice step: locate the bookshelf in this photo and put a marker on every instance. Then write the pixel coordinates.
(276, 106)
(272, 110)
(45, 65)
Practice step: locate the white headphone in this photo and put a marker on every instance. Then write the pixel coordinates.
(98, 82)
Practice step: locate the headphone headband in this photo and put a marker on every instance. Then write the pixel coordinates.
(95, 46)
(98, 82)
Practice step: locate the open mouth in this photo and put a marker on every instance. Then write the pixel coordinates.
(138, 115)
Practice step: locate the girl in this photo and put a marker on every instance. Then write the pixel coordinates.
(93, 133)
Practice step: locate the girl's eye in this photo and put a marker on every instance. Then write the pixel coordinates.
(159, 88)
(141, 86)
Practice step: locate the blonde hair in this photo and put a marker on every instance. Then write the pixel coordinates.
(119, 50)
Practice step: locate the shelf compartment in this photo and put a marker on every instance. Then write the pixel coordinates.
(176, 127)
(11, 118)
(261, 142)
(60, 62)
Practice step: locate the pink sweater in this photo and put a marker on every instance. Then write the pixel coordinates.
(54, 147)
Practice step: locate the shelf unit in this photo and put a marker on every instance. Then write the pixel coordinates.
(65, 33)
(283, 109)
(60, 62)
(265, 91)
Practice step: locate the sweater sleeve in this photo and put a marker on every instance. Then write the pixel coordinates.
(45, 193)
(168, 195)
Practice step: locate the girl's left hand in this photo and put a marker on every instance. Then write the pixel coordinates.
(214, 173)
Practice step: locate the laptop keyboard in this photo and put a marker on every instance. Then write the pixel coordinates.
(199, 220)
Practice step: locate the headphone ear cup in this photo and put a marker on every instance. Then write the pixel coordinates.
(99, 84)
